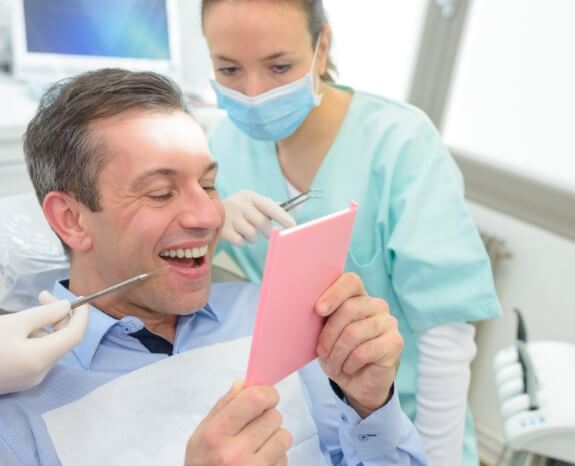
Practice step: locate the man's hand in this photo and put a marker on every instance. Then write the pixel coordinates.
(360, 345)
(243, 429)
(27, 351)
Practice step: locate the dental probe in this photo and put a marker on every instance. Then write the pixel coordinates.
(116, 287)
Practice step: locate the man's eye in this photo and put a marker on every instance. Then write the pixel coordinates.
(228, 70)
(209, 188)
(280, 69)
(160, 196)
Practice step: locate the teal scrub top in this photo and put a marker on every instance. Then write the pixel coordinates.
(414, 242)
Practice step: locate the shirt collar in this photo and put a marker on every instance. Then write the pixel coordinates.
(100, 323)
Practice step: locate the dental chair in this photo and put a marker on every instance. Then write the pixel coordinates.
(536, 391)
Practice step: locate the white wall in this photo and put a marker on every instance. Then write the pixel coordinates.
(196, 64)
(539, 280)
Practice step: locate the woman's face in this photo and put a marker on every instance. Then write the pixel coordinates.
(258, 45)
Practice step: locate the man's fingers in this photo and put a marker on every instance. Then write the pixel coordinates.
(351, 337)
(249, 404)
(235, 389)
(354, 309)
(282, 462)
(383, 351)
(348, 285)
(275, 449)
(257, 432)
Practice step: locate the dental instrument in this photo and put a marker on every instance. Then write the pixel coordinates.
(300, 199)
(116, 287)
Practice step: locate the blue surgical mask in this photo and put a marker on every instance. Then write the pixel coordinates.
(275, 114)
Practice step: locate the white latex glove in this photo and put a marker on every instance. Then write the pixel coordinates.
(27, 351)
(247, 213)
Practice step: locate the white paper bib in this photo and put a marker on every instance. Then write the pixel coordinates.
(146, 417)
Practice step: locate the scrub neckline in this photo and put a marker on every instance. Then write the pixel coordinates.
(317, 181)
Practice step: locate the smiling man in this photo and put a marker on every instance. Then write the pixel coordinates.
(125, 179)
(153, 204)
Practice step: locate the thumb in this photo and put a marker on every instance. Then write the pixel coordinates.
(234, 391)
(47, 314)
(55, 344)
(45, 297)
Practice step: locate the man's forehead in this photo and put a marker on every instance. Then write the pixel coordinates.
(205, 168)
(153, 141)
(136, 127)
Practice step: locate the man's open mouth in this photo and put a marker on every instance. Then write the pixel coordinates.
(191, 257)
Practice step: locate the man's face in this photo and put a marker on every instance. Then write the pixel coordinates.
(157, 201)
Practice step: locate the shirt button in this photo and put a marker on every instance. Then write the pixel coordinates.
(343, 417)
(365, 437)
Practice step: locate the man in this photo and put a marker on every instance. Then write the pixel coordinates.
(126, 180)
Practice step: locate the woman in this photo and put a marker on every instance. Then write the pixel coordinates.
(291, 128)
(27, 352)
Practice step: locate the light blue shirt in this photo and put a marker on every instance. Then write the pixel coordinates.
(108, 350)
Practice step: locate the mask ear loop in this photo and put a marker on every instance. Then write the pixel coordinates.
(317, 95)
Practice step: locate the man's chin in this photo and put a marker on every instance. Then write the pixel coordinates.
(187, 305)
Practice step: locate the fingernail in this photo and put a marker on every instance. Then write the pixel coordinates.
(236, 387)
(323, 308)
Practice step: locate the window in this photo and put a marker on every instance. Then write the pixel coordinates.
(512, 101)
(375, 43)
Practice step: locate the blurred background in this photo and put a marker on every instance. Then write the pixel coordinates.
(497, 78)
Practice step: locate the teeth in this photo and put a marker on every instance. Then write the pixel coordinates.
(187, 253)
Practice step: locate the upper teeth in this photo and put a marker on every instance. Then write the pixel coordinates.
(187, 253)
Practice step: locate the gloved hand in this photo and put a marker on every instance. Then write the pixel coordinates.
(27, 351)
(247, 213)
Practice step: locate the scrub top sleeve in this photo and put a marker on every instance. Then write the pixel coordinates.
(440, 270)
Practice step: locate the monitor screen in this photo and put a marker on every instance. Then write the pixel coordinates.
(63, 37)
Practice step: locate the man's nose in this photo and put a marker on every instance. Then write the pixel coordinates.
(202, 211)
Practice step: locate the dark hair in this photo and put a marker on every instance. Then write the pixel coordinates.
(61, 153)
(316, 19)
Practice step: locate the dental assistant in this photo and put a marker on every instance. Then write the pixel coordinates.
(27, 351)
(291, 128)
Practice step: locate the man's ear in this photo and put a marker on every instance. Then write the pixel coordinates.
(65, 216)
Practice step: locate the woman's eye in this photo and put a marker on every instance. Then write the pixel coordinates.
(228, 70)
(209, 188)
(280, 69)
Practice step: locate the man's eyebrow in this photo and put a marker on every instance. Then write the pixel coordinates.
(167, 172)
(144, 177)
